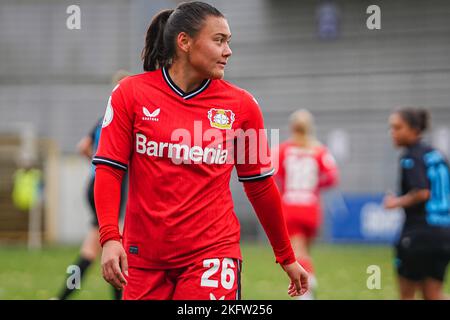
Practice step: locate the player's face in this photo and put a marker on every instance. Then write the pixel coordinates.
(210, 48)
(402, 134)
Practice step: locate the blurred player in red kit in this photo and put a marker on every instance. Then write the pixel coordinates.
(305, 168)
(170, 128)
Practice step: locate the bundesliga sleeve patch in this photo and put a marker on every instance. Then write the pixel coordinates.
(109, 114)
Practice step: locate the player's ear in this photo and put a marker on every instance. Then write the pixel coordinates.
(184, 42)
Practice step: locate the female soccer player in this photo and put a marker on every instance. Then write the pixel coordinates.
(305, 168)
(423, 248)
(173, 128)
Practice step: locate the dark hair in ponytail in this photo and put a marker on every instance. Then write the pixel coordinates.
(188, 17)
(416, 118)
(153, 52)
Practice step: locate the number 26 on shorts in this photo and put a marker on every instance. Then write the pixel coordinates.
(227, 274)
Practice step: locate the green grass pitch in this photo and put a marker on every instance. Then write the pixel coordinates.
(341, 273)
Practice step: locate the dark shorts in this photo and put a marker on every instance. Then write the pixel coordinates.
(90, 198)
(423, 253)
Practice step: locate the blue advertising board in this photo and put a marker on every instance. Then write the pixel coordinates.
(362, 218)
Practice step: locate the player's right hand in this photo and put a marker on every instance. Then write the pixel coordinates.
(114, 263)
(299, 279)
(390, 201)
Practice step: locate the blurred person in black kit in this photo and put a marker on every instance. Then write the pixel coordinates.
(91, 248)
(423, 248)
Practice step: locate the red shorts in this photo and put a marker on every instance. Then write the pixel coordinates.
(209, 279)
(296, 228)
(303, 221)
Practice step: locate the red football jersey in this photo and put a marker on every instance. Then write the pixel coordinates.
(180, 149)
(301, 174)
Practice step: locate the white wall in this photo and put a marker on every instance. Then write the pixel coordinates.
(73, 218)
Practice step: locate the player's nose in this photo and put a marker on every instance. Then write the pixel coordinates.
(227, 52)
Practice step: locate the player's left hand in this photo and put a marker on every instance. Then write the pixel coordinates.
(299, 279)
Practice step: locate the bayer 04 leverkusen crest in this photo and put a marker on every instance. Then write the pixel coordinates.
(220, 118)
